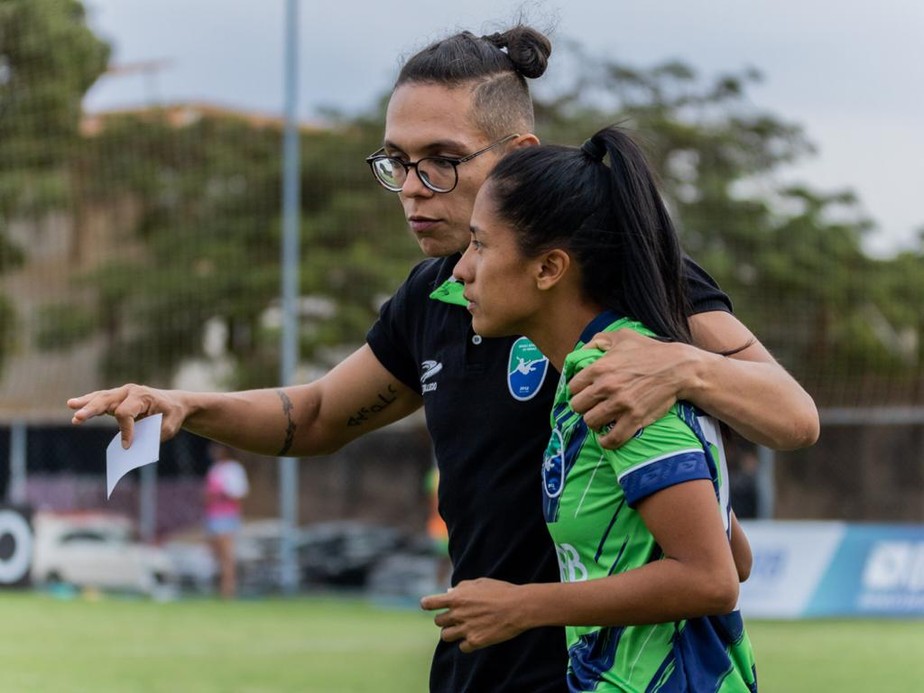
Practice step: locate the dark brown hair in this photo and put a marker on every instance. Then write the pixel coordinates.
(494, 67)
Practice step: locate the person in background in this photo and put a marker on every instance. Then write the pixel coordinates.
(225, 487)
(436, 529)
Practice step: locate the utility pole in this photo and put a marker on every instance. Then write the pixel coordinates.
(288, 466)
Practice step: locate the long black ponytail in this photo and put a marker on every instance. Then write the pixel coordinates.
(611, 218)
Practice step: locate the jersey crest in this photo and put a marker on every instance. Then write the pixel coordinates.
(526, 370)
(553, 466)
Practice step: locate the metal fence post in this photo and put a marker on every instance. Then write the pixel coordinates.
(766, 482)
(16, 490)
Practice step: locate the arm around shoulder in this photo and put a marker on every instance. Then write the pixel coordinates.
(749, 390)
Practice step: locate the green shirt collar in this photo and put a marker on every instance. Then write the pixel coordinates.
(450, 291)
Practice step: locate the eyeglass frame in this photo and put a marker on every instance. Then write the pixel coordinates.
(380, 154)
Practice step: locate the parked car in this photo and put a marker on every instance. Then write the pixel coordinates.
(98, 550)
(337, 553)
(344, 553)
(196, 569)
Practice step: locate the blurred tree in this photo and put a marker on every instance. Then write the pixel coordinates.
(791, 257)
(209, 232)
(48, 60)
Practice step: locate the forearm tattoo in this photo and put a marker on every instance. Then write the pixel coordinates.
(287, 409)
(384, 399)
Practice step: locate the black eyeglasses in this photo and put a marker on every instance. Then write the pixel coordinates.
(438, 173)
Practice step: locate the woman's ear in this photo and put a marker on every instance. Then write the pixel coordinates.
(553, 266)
(527, 140)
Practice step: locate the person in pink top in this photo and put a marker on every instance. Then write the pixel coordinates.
(225, 487)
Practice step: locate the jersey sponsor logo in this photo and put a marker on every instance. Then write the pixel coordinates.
(569, 564)
(430, 369)
(553, 465)
(526, 370)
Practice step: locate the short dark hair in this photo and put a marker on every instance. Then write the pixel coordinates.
(611, 219)
(494, 67)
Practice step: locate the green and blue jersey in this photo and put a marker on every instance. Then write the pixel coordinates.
(589, 499)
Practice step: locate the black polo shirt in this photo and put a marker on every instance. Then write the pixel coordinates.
(487, 404)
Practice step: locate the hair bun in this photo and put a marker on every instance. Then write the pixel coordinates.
(528, 49)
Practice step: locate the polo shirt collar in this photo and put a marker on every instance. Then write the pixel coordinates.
(450, 291)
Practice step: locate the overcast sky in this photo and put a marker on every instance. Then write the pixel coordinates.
(849, 71)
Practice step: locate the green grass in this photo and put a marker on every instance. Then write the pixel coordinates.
(340, 645)
(843, 656)
(266, 646)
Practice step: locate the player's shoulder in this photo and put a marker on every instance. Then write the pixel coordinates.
(433, 270)
(584, 355)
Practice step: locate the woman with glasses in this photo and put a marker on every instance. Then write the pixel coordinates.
(564, 246)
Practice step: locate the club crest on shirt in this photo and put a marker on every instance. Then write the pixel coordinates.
(553, 465)
(526, 370)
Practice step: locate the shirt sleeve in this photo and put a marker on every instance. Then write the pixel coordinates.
(703, 292)
(391, 336)
(663, 454)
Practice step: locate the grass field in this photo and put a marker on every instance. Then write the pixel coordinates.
(340, 645)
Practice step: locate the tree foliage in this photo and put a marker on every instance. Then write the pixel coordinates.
(48, 60)
(209, 233)
(791, 257)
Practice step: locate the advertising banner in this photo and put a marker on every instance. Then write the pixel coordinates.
(812, 569)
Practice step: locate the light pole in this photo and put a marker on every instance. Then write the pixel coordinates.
(288, 466)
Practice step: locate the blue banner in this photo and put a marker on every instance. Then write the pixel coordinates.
(812, 569)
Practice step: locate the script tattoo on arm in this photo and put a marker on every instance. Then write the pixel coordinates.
(383, 400)
(287, 408)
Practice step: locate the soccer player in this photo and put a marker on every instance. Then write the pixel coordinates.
(564, 246)
(457, 107)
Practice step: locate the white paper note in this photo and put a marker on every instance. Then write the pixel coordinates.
(145, 449)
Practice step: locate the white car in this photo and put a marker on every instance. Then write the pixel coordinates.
(98, 550)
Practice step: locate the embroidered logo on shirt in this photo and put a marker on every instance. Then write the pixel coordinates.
(430, 368)
(553, 466)
(526, 370)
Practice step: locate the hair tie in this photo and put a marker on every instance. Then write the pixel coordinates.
(593, 149)
(497, 39)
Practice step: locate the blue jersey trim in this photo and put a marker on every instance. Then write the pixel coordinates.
(651, 478)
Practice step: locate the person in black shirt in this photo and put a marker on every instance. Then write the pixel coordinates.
(458, 105)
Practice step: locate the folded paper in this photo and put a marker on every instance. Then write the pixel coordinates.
(145, 449)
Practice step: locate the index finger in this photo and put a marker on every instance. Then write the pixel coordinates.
(435, 601)
(88, 406)
(78, 402)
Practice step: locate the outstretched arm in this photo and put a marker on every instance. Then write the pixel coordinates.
(639, 379)
(357, 396)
